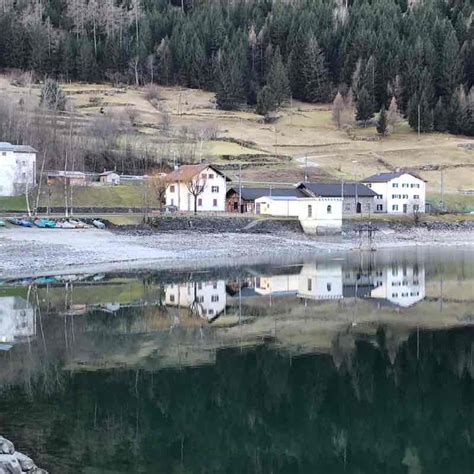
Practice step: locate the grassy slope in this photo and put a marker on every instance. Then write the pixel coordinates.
(265, 150)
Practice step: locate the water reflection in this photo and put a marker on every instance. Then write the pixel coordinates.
(355, 364)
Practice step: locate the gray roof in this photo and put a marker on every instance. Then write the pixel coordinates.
(385, 177)
(334, 189)
(250, 194)
(5, 146)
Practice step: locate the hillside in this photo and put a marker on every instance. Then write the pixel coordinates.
(267, 152)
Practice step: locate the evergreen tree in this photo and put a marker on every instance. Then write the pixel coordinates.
(364, 106)
(440, 116)
(382, 124)
(230, 89)
(265, 101)
(277, 79)
(317, 87)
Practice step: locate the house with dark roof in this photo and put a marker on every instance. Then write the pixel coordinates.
(398, 192)
(242, 200)
(357, 198)
(17, 169)
(196, 188)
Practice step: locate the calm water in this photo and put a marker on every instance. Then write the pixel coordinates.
(355, 364)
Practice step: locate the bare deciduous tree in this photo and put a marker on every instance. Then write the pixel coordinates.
(196, 187)
(337, 110)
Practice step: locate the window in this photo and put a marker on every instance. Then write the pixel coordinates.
(395, 207)
(200, 202)
(4, 153)
(215, 298)
(416, 207)
(394, 295)
(379, 196)
(215, 189)
(214, 202)
(405, 196)
(200, 299)
(417, 185)
(416, 196)
(310, 284)
(199, 286)
(204, 176)
(211, 176)
(379, 207)
(329, 287)
(394, 185)
(310, 210)
(329, 209)
(172, 189)
(172, 298)
(214, 285)
(405, 185)
(394, 271)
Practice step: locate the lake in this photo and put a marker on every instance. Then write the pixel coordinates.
(356, 363)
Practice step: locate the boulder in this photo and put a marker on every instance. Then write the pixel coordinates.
(26, 463)
(6, 447)
(9, 464)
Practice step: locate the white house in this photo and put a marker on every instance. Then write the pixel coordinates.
(278, 206)
(17, 169)
(17, 320)
(109, 177)
(400, 284)
(201, 186)
(398, 192)
(206, 299)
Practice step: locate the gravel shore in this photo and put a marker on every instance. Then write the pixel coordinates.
(35, 252)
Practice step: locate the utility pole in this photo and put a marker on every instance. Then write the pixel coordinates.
(419, 120)
(240, 187)
(441, 201)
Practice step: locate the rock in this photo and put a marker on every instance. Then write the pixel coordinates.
(9, 464)
(6, 447)
(26, 463)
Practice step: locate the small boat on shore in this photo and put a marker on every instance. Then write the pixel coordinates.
(25, 223)
(45, 224)
(13, 220)
(2, 223)
(78, 224)
(98, 224)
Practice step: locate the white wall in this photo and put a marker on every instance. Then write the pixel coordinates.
(407, 187)
(208, 299)
(177, 194)
(320, 281)
(403, 285)
(325, 214)
(17, 319)
(276, 284)
(270, 206)
(16, 170)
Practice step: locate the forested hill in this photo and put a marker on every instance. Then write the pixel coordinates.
(261, 52)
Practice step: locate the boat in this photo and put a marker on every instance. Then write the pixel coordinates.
(78, 224)
(39, 223)
(99, 224)
(67, 225)
(13, 220)
(25, 223)
(2, 223)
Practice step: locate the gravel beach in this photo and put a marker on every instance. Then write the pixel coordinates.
(35, 252)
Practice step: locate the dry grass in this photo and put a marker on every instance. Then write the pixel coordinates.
(301, 130)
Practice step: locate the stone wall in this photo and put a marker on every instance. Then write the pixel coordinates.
(13, 462)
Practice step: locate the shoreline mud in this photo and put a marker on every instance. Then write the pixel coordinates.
(39, 252)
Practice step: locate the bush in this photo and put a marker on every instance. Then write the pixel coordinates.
(151, 92)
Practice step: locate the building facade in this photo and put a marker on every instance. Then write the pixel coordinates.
(109, 177)
(357, 198)
(17, 169)
(196, 187)
(398, 193)
(70, 178)
(242, 200)
(320, 216)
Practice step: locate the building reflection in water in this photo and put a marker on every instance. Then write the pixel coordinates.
(17, 321)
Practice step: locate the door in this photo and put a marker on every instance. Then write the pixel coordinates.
(359, 208)
(257, 208)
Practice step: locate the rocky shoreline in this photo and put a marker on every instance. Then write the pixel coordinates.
(13, 462)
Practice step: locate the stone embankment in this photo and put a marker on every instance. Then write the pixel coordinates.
(13, 462)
